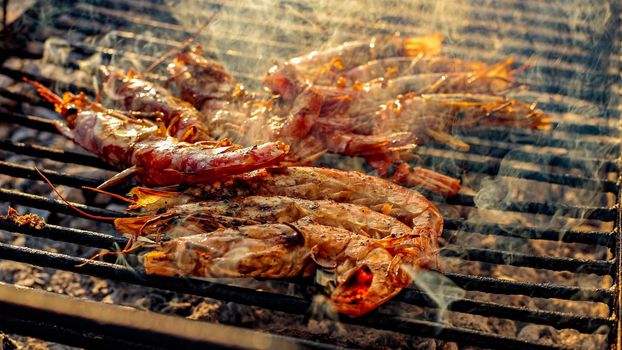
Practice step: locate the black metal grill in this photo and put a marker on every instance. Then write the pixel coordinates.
(591, 170)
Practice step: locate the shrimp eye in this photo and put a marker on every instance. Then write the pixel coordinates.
(71, 110)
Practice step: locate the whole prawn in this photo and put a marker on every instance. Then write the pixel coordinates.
(190, 217)
(373, 102)
(142, 148)
(392, 67)
(367, 272)
(323, 67)
(311, 183)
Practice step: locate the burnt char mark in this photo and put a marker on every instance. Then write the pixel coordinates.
(264, 208)
(279, 171)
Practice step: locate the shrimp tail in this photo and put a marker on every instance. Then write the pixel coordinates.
(447, 139)
(409, 176)
(426, 178)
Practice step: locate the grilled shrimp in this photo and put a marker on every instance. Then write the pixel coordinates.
(367, 272)
(325, 223)
(366, 98)
(383, 196)
(321, 67)
(439, 112)
(201, 80)
(186, 219)
(182, 120)
(143, 149)
(389, 68)
(426, 118)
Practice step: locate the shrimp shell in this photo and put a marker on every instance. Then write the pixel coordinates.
(367, 272)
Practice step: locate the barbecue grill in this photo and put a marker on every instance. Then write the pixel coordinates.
(578, 155)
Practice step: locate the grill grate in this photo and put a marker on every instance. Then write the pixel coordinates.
(547, 38)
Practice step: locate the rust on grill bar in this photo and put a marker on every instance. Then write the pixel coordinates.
(577, 73)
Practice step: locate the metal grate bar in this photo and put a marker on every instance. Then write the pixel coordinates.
(537, 290)
(246, 296)
(409, 295)
(17, 97)
(31, 200)
(66, 234)
(52, 317)
(18, 75)
(56, 154)
(589, 165)
(29, 121)
(455, 167)
(598, 267)
(523, 137)
(585, 129)
(591, 237)
(558, 320)
(565, 162)
(591, 213)
(499, 151)
(592, 110)
(595, 213)
(28, 172)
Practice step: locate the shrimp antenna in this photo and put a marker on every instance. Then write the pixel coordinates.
(125, 250)
(530, 62)
(114, 195)
(72, 206)
(128, 248)
(44, 92)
